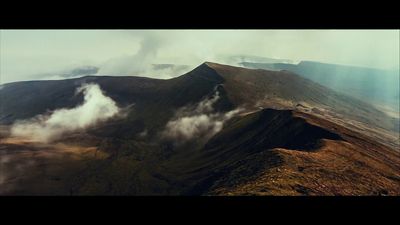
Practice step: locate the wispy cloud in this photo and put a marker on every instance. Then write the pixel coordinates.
(96, 107)
(199, 122)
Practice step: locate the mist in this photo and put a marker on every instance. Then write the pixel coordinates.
(200, 122)
(28, 54)
(96, 108)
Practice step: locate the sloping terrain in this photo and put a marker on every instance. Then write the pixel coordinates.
(337, 163)
(283, 152)
(42, 169)
(284, 133)
(23, 100)
(286, 90)
(378, 87)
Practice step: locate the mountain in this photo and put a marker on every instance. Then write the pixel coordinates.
(376, 86)
(216, 130)
(237, 59)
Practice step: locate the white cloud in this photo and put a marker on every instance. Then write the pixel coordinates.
(45, 128)
(198, 123)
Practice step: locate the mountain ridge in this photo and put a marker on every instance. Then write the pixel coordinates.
(277, 134)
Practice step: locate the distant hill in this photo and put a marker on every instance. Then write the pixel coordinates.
(237, 59)
(379, 87)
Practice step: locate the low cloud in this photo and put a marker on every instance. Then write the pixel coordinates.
(136, 64)
(199, 122)
(46, 128)
(70, 73)
(131, 52)
(145, 61)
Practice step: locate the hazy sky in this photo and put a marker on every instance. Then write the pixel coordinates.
(25, 54)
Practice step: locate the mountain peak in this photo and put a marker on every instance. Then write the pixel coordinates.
(210, 64)
(206, 71)
(207, 64)
(214, 65)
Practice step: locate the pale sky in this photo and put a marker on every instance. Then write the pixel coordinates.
(24, 54)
